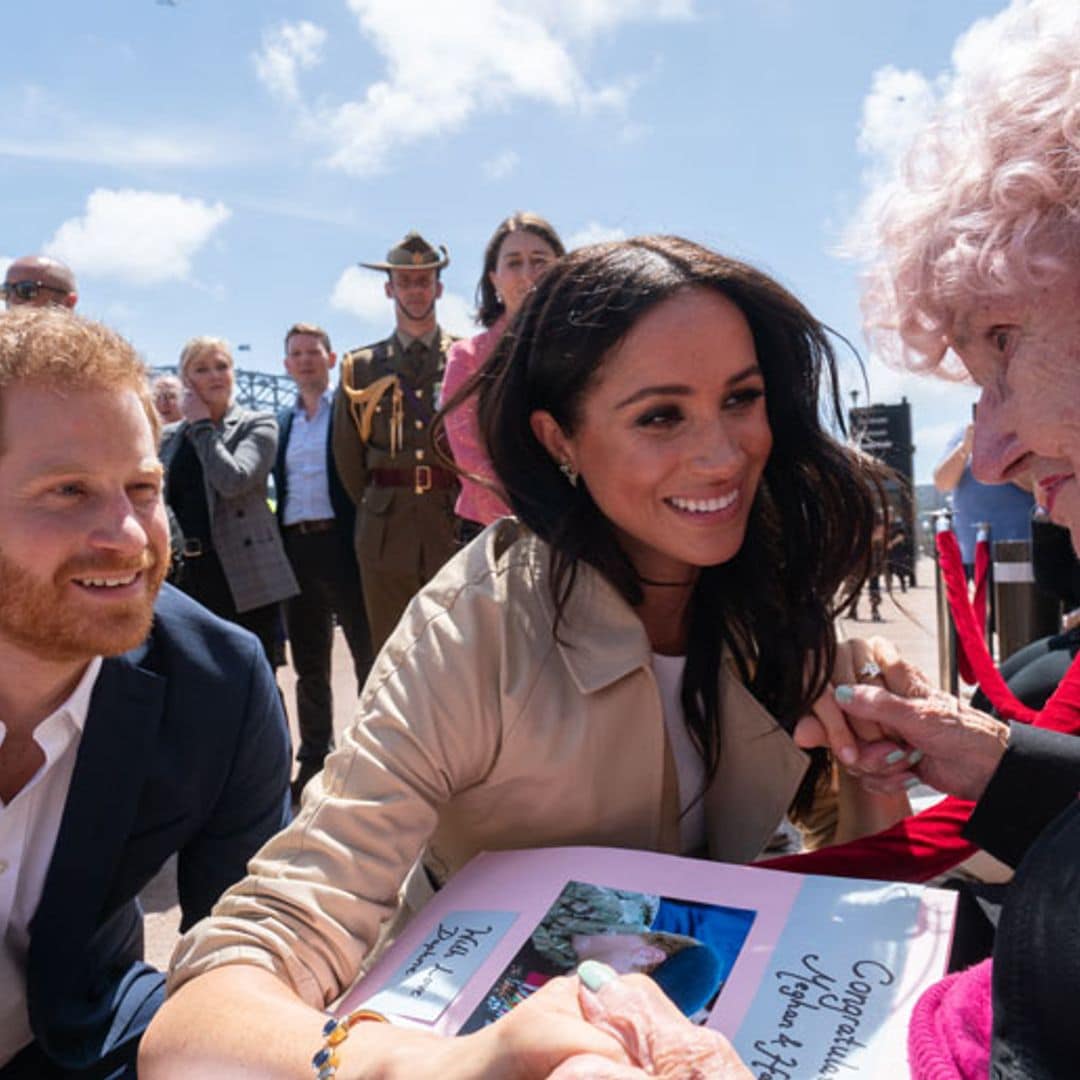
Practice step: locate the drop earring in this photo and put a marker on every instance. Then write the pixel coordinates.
(569, 472)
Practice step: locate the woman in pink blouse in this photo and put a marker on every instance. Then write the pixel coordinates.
(521, 249)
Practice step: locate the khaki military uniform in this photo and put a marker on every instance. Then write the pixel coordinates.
(382, 447)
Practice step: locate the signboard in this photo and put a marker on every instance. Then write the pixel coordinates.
(884, 432)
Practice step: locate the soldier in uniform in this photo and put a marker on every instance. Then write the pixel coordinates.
(382, 447)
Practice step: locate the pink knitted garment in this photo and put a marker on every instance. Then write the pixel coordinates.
(949, 1036)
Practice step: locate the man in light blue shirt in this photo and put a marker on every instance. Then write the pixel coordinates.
(316, 517)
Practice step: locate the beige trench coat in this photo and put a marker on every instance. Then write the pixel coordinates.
(477, 730)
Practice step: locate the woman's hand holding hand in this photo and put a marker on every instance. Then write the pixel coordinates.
(955, 748)
(193, 407)
(529, 1043)
(656, 1039)
(875, 661)
(892, 729)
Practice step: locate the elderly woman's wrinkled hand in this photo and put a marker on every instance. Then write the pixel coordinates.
(935, 738)
(892, 729)
(656, 1038)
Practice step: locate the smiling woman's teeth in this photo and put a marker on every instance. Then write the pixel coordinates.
(107, 583)
(704, 506)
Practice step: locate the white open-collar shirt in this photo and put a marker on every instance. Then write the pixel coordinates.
(29, 825)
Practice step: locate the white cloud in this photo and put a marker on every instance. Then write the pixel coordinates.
(361, 292)
(897, 107)
(42, 126)
(594, 233)
(587, 18)
(142, 237)
(454, 62)
(115, 147)
(900, 103)
(286, 50)
(456, 315)
(501, 165)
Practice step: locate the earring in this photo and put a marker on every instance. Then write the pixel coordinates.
(569, 472)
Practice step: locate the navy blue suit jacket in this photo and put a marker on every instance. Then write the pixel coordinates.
(344, 507)
(185, 750)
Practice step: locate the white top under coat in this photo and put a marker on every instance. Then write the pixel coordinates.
(689, 766)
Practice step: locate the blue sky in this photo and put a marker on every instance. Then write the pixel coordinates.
(212, 168)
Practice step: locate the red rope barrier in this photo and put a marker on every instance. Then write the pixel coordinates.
(950, 554)
(970, 638)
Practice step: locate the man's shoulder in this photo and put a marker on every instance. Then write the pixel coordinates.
(366, 354)
(190, 634)
(363, 365)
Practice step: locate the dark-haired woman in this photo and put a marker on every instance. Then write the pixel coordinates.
(519, 251)
(623, 665)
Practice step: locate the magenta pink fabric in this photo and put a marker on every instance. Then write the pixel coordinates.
(949, 1034)
(476, 502)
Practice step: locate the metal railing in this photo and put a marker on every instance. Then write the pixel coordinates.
(1019, 614)
(948, 678)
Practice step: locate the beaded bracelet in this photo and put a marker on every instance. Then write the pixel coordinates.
(335, 1032)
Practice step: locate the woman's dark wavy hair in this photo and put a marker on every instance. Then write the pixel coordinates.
(489, 308)
(808, 535)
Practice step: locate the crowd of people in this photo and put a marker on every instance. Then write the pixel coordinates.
(588, 565)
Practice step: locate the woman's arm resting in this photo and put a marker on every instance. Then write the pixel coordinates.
(242, 1021)
(234, 1020)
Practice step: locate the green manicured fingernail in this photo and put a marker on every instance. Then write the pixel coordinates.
(595, 975)
(915, 757)
(844, 694)
(913, 782)
(894, 757)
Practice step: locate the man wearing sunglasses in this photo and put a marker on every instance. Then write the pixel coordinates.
(39, 281)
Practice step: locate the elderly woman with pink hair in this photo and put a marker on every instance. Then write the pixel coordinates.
(979, 261)
(977, 275)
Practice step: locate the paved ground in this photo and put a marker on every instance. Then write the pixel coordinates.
(909, 620)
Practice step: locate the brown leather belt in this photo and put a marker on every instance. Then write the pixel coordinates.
(319, 525)
(420, 478)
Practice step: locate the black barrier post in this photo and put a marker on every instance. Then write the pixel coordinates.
(946, 632)
(1024, 613)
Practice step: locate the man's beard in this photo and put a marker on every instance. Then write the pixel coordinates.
(45, 619)
(412, 315)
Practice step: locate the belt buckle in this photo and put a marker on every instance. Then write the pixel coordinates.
(421, 479)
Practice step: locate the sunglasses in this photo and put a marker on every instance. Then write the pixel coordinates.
(25, 291)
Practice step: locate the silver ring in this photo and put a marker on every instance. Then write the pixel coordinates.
(869, 670)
